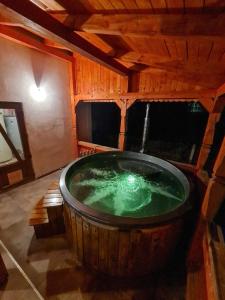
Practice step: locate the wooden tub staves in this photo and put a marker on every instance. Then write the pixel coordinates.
(119, 252)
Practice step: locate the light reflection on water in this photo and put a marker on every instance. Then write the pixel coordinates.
(126, 187)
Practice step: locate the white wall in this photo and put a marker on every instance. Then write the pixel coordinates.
(48, 123)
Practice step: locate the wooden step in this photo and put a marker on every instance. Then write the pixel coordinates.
(47, 215)
(54, 185)
(39, 215)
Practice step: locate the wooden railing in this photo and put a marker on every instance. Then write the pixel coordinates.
(85, 148)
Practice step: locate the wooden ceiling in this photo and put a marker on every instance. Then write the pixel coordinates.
(182, 39)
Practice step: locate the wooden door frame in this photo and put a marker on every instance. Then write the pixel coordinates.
(23, 165)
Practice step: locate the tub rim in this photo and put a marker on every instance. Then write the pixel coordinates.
(120, 221)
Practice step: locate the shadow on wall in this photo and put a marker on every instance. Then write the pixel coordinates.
(38, 64)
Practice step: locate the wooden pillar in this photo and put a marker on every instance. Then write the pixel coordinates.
(74, 140)
(207, 140)
(214, 197)
(215, 193)
(122, 134)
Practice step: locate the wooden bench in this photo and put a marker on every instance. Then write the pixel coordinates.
(47, 215)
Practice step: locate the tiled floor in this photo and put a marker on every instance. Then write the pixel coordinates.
(49, 264)
(18, 286)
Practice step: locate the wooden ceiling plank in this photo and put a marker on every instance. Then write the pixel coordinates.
(144, 4)
(192, 47)
(217, 52)
(205, 81)
(194, 5)
(106, 4)
(181, 47)
(130, 4)
(159, 6)
(204, 51)
(37, 20)
(118, 5)
(160, 26)
(172, 48)
(175, 6)
(96, 5)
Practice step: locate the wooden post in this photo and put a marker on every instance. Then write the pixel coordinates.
(214, 197)
(207, 140)
(73, 107)
(123, 114)
(215, 193)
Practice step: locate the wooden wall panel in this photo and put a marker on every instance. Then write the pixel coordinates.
(153, 82)
(92, 78)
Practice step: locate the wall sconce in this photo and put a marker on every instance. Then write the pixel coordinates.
(37, 93)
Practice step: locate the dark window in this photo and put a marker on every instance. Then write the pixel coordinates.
(175, 130)
(98, 123)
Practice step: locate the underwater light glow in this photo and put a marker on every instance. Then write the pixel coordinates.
(131, 179)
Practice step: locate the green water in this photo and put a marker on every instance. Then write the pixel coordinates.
(126, 187)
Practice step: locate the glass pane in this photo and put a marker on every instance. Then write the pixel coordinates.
(9, 122)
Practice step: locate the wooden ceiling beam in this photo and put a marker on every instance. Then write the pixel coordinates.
(166, 25)
(37, 20)
(12, 33)
(152, 96)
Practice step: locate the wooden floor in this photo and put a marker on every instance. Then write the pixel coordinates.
(49, 264)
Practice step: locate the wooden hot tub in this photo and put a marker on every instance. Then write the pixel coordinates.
(124, 211)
